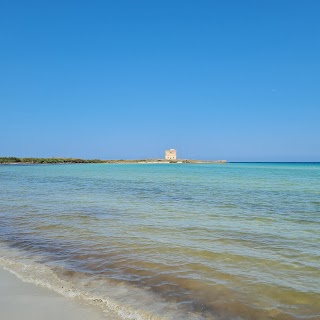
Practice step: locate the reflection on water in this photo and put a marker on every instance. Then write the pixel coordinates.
(235, 241)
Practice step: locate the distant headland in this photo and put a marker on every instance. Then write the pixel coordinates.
(15, 160)
(170, 157)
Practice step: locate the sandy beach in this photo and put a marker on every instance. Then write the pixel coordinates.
(20, 300)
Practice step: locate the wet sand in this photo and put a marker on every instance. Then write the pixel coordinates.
(21, 300)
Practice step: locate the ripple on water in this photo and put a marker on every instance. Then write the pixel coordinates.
(238, 241)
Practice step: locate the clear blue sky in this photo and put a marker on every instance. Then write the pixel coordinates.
(236, 80)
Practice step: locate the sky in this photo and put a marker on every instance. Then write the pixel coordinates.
(234, 80)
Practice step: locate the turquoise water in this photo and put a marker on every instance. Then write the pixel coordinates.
(168, 241)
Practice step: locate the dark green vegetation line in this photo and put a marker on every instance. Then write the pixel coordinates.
(47, 160)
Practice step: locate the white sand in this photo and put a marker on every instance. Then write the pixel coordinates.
(20, 300)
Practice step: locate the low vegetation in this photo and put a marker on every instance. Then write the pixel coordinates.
(46, 160)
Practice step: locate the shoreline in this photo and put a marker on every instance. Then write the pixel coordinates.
(23, 300)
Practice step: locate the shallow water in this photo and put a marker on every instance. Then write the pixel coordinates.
(168, 241)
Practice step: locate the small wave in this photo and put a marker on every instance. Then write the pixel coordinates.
(120, 305)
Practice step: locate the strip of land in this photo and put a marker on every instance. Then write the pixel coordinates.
(15, 160)
(20, 300)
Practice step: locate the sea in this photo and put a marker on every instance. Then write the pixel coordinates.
(234, 241)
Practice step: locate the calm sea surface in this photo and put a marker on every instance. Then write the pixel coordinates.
(168, 241)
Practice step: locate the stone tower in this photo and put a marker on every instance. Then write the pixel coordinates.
(171, 154)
